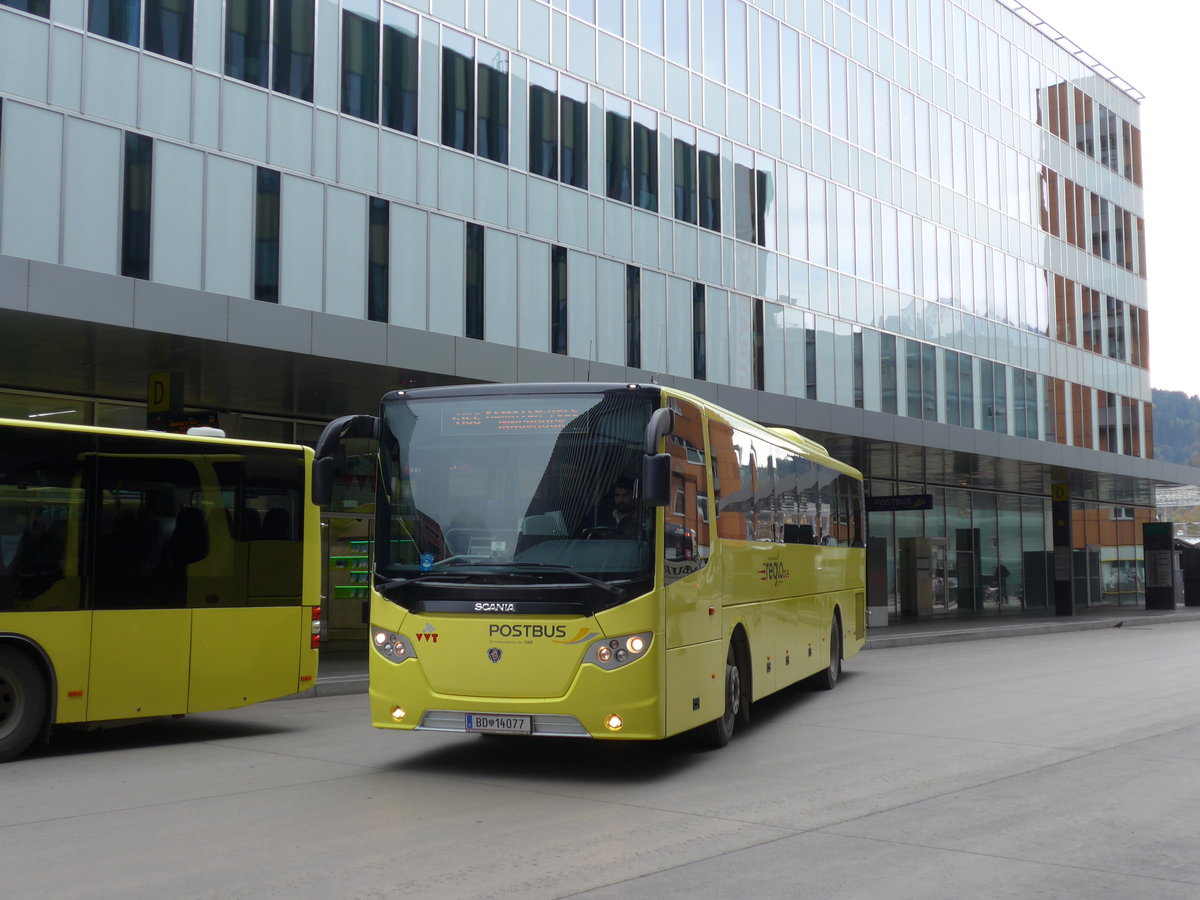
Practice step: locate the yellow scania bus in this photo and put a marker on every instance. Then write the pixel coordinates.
(149, 574)
(599, 560)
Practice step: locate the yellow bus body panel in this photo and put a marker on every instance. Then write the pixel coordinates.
(140, 662)
(242, 656)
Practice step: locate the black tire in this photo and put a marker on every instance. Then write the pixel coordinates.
(23, 702)
(828, 679)
(716, 734)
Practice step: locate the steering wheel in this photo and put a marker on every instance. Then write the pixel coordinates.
(600, 532)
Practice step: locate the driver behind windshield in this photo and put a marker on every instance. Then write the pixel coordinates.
(620, 520)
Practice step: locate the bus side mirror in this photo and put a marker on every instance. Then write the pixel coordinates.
(656, 479)
(329, 443)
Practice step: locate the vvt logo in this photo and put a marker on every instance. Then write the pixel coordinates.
(428, 634)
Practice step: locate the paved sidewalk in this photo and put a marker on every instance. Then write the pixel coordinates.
(909, 632)
(346, 673)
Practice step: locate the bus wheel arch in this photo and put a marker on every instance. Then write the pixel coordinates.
(24, 699)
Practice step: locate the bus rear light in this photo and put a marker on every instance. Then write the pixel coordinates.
(316, 628)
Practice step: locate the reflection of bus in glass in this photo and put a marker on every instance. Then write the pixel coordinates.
(513, 594)
(146, 574)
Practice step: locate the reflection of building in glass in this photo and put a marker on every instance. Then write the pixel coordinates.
(911, 230)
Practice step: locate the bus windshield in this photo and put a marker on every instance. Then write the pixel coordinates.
(534, 492)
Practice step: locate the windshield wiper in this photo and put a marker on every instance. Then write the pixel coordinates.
(568, 570)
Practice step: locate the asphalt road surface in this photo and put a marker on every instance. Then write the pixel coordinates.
(1063, 765)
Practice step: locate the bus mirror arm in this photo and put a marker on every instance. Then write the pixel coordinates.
(656, 479)
(325, 464)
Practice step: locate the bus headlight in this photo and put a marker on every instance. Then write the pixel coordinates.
(391, 646)
(613, 653)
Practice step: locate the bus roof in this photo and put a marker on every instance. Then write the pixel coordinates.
(217, 442)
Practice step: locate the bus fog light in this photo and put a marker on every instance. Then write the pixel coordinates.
(613, 722)
(398, 713)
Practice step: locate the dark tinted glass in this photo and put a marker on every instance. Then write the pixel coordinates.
(246, 40)
(474, 282)
(294, 48)
(41, 518)
(37, 7)
(135, 217)
(399, 79)
(266, 236)
(492, 132)
(458, 101)
(360, 67)
(378, 252)
(116, 19)
(169, 28)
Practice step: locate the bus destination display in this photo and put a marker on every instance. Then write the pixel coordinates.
(538, 420)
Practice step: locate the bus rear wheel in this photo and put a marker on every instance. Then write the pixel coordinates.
(827, 680)
(22, 702)
(717, 733)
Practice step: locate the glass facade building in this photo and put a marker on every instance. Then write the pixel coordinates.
(912, 229)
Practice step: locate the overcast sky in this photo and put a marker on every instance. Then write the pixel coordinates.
(1152, 45)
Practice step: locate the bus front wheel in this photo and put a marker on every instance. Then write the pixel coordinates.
(718, 732)
(22, 702)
